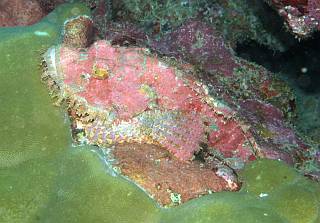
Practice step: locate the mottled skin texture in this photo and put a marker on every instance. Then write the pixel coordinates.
(243, 81)
(128, 98)
(162, 175)
(145, 100)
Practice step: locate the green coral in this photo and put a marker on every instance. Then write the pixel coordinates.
(297, 204)
(25, 190)
(28, 120)
(258, 179)
(85, 192)
(222, 207)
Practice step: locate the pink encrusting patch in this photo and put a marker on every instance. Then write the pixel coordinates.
(136, 83)
(73, 64)
(229, 139)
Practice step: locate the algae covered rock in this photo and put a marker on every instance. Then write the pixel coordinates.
(78, 32)
(31, 128)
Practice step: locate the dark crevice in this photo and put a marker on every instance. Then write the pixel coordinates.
(272, 23)
(300, 64)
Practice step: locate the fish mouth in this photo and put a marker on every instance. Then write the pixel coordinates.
(52, 75)
(50, 66)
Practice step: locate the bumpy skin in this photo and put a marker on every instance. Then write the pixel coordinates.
(139, 98)
(118, 94)
(128, 98)
(163, 176)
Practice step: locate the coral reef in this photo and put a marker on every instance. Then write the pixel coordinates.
(50, 5)
(302, 17)
(237, 20)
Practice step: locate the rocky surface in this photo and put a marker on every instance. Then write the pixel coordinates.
(20, 12)
(302, 17)
(78, 32)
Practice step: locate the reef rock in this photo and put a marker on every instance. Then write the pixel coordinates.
(200, 44)
(301, 16)
(78, 32)
(50, 5)
(20, 12)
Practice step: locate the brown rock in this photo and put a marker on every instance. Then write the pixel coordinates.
(165, 178)
(78, 32)
(49, 5)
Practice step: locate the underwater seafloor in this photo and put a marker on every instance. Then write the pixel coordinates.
(44, 178)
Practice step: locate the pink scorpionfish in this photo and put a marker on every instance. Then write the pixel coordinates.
(128, 95)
